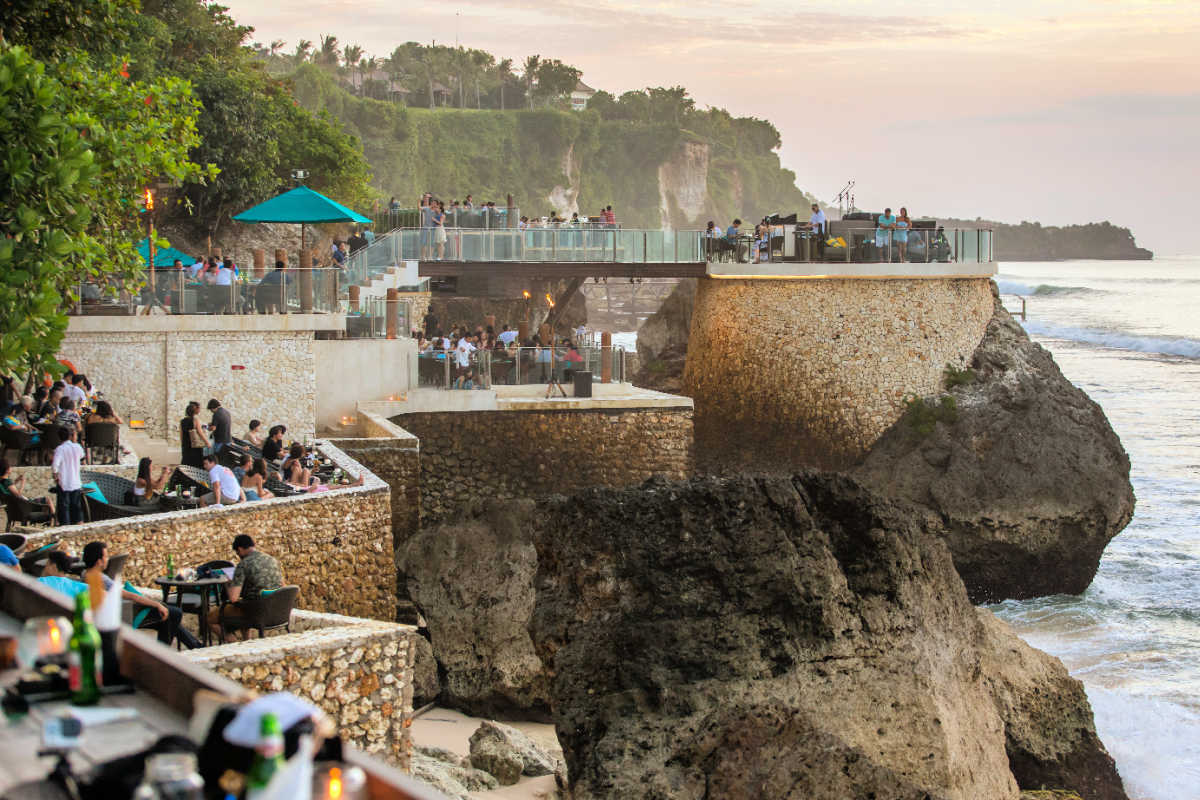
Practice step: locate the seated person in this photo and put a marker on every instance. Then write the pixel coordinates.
(49, 409)
(67, 416)
(146, 486)
(18, 419)
(225, 488)
(255, 573)
(254, 479)
(56, 574)
(294, 471)
(17, 489)
(8, 558)
(163, 619)
(273, 446)
(254, 434)
(104, 414)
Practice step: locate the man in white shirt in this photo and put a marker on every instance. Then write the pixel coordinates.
(225, 273)
(507, 336)
(65, 466)
(225, 487)
(462, 357)
(75, 391)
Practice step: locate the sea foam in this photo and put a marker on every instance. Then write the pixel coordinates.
(1117, 340)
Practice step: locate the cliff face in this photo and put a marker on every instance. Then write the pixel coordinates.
(791, 637)
(1027, 485)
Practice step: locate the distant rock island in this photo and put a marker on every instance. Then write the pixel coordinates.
(1032, 241)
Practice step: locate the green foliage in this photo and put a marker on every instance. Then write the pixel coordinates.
(953, 376)
(49, 28)
(922, 416)
(1032, 241)
(81, 142)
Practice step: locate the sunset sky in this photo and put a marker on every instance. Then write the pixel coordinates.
(1058, 111)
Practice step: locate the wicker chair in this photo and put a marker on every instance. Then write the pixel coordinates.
(189, 478)
(15, 541)
(117, 492)
(116, 565)
(105, 437)
(21, 441)
(22, 512)
(266, 613)
(280, 489)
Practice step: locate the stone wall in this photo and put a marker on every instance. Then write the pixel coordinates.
(793, 373)
(475, 455)
(335, 545)
(357, 671)
(393, 455)
(152, 375)
(353, 370)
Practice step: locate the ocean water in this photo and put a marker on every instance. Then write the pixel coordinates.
(1128, 333)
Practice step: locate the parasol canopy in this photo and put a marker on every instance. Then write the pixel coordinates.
(300, 206)
(165, 256)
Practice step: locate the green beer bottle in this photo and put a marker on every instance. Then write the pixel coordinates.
(83, 655)
(170, 566)
(268, 756)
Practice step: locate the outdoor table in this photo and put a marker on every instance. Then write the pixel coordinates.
(22, 771)
(201, 586)
(172, 502)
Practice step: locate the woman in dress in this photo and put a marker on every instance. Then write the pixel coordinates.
(146, 486)
(439, 228)
(903, 226)
(191, 455)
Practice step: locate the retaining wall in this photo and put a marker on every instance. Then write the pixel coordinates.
(794, 373)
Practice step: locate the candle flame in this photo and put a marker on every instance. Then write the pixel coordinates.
(550, 300)
(55, 634)
(335, 783)
(526, 293)
(149, 200)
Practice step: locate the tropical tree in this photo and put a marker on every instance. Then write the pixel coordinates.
(276, 46)
(303, 51)
(504, 74)
(556, 80)
(532, 63)
(351, 56)
(328, 55)
(369, 66)
(481, 63)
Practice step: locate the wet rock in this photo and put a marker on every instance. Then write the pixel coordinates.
(473, 582)
(1048, 727)
(534, 760)
(662, 341)
(1029, 483)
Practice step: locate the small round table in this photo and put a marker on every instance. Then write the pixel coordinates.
(202, 586)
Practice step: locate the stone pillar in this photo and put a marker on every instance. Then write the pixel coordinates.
(606, 357)
(354, 290)
(546, 334)
(393, 307)
(281, 255)
(260, 262)
(306, 286)
(522, 332)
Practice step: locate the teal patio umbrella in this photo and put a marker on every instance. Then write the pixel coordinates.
(163, 257)
(301, 206)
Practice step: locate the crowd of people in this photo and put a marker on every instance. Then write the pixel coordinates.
(257, 459)
(59, 412)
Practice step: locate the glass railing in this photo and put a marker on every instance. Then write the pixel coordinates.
(370, 319)
(515, 366)
(290, 291)
(856, 245)
(563, 243)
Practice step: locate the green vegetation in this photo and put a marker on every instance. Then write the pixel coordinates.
(82, 139)
(953, 376)
(922, 415)
(1032, 241)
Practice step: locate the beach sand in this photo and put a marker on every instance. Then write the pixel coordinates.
(441, 727)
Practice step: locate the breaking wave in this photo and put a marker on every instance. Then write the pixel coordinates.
(1117, 340)
(1042, 289)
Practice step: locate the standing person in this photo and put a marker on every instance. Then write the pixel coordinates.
(438, 220)
(426, 211)
(226, 490)
(65, 466)
(610, 217)
(462, 357)
(368, 236)
(431, 322)
(192, 441)
(819, 229)
(903, 226)
(222, 425)
(885, 224)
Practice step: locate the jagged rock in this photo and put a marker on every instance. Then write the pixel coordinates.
(1049, 732)
(473, 582)
(1029, 483)
(493, 756)
(534, 760)
(762, 637)
(663, 338)
(431, 765)
(426, 686)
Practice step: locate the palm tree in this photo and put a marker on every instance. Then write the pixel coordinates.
(531, 66)
(351, 56)
(303, 50)
(368, 69)
(328, 54)
(276, 46)
(504, 72)
(481, 62)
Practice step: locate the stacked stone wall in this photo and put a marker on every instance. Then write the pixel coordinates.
(479, 455)
(795, 373)
(152, 375)
(357, 671)
(393, 455)
(335, 545)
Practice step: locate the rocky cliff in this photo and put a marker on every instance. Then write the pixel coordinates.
(1032, 241)
(1027, 483)
(787, 638)
(663, 339)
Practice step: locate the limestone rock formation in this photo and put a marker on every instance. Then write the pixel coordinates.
(444, 771)
(426, 686)
(1051, 737)
(493, 736)
(1027, 485)
(473, 582)
(769, 637)
(663, 339)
